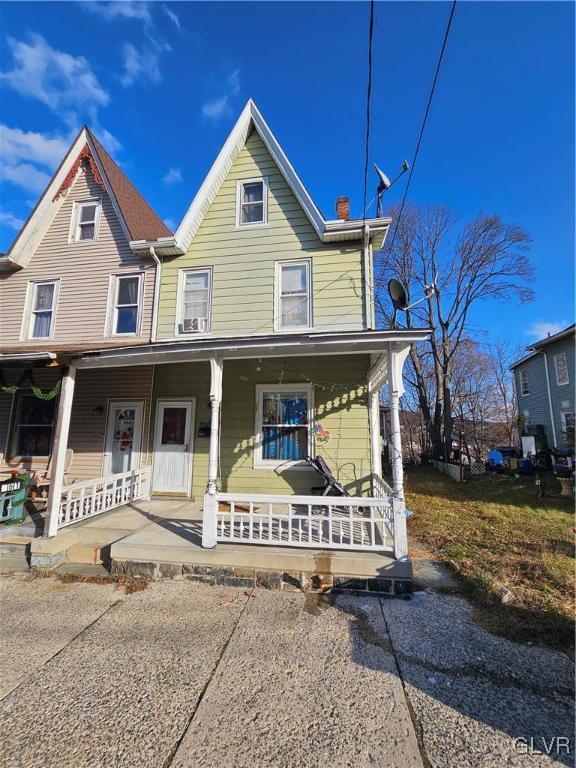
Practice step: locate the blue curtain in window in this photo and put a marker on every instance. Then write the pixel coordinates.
(284, 443)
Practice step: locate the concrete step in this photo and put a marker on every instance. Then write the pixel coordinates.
(13, 564)
(19, 546)
(82, 569)
(84, 554)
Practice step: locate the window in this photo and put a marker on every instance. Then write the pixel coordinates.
(252, 202)
(43, 305)
(283, 428)
(524, 388)
(562, 376)
(86, 221)
(126, 307)
(293, 295)
(194, 299)
(568, 425)
(33, 426)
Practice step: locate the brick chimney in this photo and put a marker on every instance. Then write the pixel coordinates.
(343, 208)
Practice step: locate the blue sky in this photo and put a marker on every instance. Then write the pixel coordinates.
(162, 83)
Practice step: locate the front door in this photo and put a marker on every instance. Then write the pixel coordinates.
(172, 446)
(123, 437)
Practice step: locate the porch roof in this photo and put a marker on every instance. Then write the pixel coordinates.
(269, 345)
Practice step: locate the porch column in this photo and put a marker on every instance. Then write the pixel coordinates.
(375, 438)
(209, 514)
(59, 452)
(396, 358)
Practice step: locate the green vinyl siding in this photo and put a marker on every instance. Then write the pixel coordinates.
(243, 259)
(340, 407)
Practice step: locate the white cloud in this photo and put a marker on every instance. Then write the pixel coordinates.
(219, 107)
(138, 65)
(171, 224)
(31, 146)
(64, 83)
(540, 330)
(174, 18)
(9, 220)
(173, 176)
(25, 175)
(115, 10)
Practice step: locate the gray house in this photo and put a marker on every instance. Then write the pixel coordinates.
(544, 384)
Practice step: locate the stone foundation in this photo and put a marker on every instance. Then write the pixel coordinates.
(250, 577)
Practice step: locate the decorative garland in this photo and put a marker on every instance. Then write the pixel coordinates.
(26, 381)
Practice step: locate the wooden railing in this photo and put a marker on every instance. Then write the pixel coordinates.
(321, 522)
(92, 497)
(380, 488)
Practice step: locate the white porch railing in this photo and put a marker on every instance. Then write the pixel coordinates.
(92, 497)
(326, 522)
(380, 488)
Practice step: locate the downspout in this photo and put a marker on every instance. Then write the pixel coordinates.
(156, 292)
(367, 278)
(543, 352)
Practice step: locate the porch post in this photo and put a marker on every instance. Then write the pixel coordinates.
(375, 438)
(396, 360)
(59, 452)
(210, 502)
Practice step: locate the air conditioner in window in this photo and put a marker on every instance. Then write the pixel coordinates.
(193, 325)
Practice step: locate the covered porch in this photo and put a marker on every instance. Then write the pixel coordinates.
(234, 508)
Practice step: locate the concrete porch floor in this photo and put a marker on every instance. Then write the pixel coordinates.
(162, 538)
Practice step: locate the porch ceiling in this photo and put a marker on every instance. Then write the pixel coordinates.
(361, 342)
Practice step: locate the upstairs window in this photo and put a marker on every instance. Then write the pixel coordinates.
(283, 428)
(43, 306)
(127, 293)
(524, 387)
(87, 215)
(561, 365)
(252, 202)
(194, 299)
(293, 295)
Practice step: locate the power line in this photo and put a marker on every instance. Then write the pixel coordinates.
(430, 97)
(368, 103)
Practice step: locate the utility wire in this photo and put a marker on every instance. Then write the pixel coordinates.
(430, 97)
(368, 103)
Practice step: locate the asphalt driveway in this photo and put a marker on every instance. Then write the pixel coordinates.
(183, 674)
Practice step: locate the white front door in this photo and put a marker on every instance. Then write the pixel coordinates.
(173, 434)
(123, 437)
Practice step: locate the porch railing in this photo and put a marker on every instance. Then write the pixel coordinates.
(380, 488)
(92, 497)
(300, 521)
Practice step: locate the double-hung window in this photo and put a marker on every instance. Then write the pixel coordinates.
(524, 386)
(33, 426)
(127, 293)
(562, 376)
(293, 295)
(86, 222)
(283, 428)
(42, 309)
(252, 202)
(194, 299)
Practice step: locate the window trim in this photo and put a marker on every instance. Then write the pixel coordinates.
(278, 464)
(12, 435)
(524, 372)
(558, 382)
(278, 295)
(112, 311)
(75, 220)
(180, 302)
(31, 312)
(239, 191)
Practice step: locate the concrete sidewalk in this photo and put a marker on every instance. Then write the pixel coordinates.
(183, 674)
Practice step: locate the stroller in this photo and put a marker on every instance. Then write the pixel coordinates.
(331, 487)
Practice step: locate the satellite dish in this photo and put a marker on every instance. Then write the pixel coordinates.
(385, 182)
(397, 294)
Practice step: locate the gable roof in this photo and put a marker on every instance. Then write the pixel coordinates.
(139, 221)
(555, 337)
(251, 117)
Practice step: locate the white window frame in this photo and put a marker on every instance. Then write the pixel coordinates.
(180, 301)
(16, 409)
(524, 383)
(75, 221)
(278, 464)
(112, 313)
(558, 382)
(278, 295)
(32, 288)
(239, 195)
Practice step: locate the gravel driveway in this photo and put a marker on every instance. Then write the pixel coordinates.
(183, 674)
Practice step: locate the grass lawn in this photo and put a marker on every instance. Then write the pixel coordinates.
(493, 531)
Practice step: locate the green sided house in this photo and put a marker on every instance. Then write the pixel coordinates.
(263, 353)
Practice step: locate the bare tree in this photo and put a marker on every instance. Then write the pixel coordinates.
(483, 259)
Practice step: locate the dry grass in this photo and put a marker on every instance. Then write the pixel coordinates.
(496, 531)
(128, 583)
